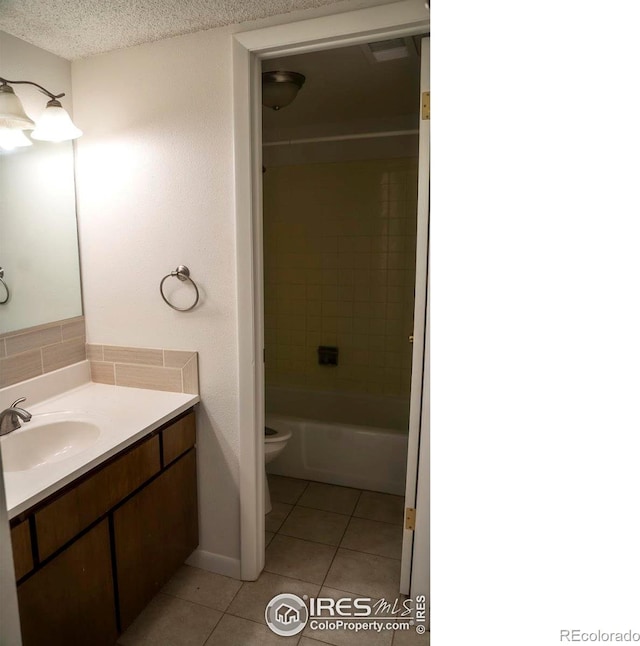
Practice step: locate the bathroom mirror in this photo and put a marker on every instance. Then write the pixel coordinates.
(38, 236)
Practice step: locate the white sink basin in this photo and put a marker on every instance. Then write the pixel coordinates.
(47, 438)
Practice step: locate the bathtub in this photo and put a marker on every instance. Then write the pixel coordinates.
(364, 456)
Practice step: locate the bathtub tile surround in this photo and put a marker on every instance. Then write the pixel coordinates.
(156, 369)
(339, 248)
(34, 351)
(199, 608)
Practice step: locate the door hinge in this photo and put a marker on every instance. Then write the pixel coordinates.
(410, 518)
(426, 106)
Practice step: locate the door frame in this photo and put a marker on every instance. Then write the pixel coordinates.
(249, 49)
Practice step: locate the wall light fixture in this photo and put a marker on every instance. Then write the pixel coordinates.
(53, 125)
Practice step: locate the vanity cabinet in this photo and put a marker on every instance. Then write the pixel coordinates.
(70, 600)
(91, 556)
(155, 531)
(66, 516)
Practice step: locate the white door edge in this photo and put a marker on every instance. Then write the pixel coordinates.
(418, 424)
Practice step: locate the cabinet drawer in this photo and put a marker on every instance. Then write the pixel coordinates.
(22, 555)
(68, 515)
(178, 438)
(70, 600)
(155, 531)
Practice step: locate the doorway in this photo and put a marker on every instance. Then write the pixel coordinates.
(340, 189)
(404, 19)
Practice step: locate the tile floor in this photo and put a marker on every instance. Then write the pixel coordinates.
(322, 540)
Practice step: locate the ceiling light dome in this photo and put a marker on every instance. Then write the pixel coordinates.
(279, 89)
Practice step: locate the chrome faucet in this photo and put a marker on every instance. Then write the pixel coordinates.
(10, 417)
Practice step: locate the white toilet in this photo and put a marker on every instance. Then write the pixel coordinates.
(274, 442)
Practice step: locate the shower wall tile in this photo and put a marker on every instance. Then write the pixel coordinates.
(339, 270)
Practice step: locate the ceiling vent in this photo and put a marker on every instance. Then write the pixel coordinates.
(388, 50)
(393, 50)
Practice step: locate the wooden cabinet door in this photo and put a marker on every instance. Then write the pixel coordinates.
(66, 516)
(70, 600)
(155, 531)
(22, 554)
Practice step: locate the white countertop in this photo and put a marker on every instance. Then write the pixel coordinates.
(124, 415)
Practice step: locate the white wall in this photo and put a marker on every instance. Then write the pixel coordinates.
(155, 190)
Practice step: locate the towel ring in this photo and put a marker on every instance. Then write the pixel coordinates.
(181, 273)
(6, 287)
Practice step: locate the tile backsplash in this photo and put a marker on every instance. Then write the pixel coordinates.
(339, 249)
(34, 351)
(156, 369)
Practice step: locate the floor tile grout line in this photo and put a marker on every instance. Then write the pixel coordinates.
(329, 511)
(338, 548)
(288, 576)
(213, 630)
(308, 540)
(195, 603)
(235, 595)
(302, 493)
(284, 520)
(353, 511)
(376, 520)
(388, 558)
(317, 640)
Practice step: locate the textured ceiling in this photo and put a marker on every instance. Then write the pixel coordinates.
(78, 28)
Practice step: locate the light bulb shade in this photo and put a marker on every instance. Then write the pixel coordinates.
(11, 138)
(55, 124)
(12, 114)
(279, 89)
